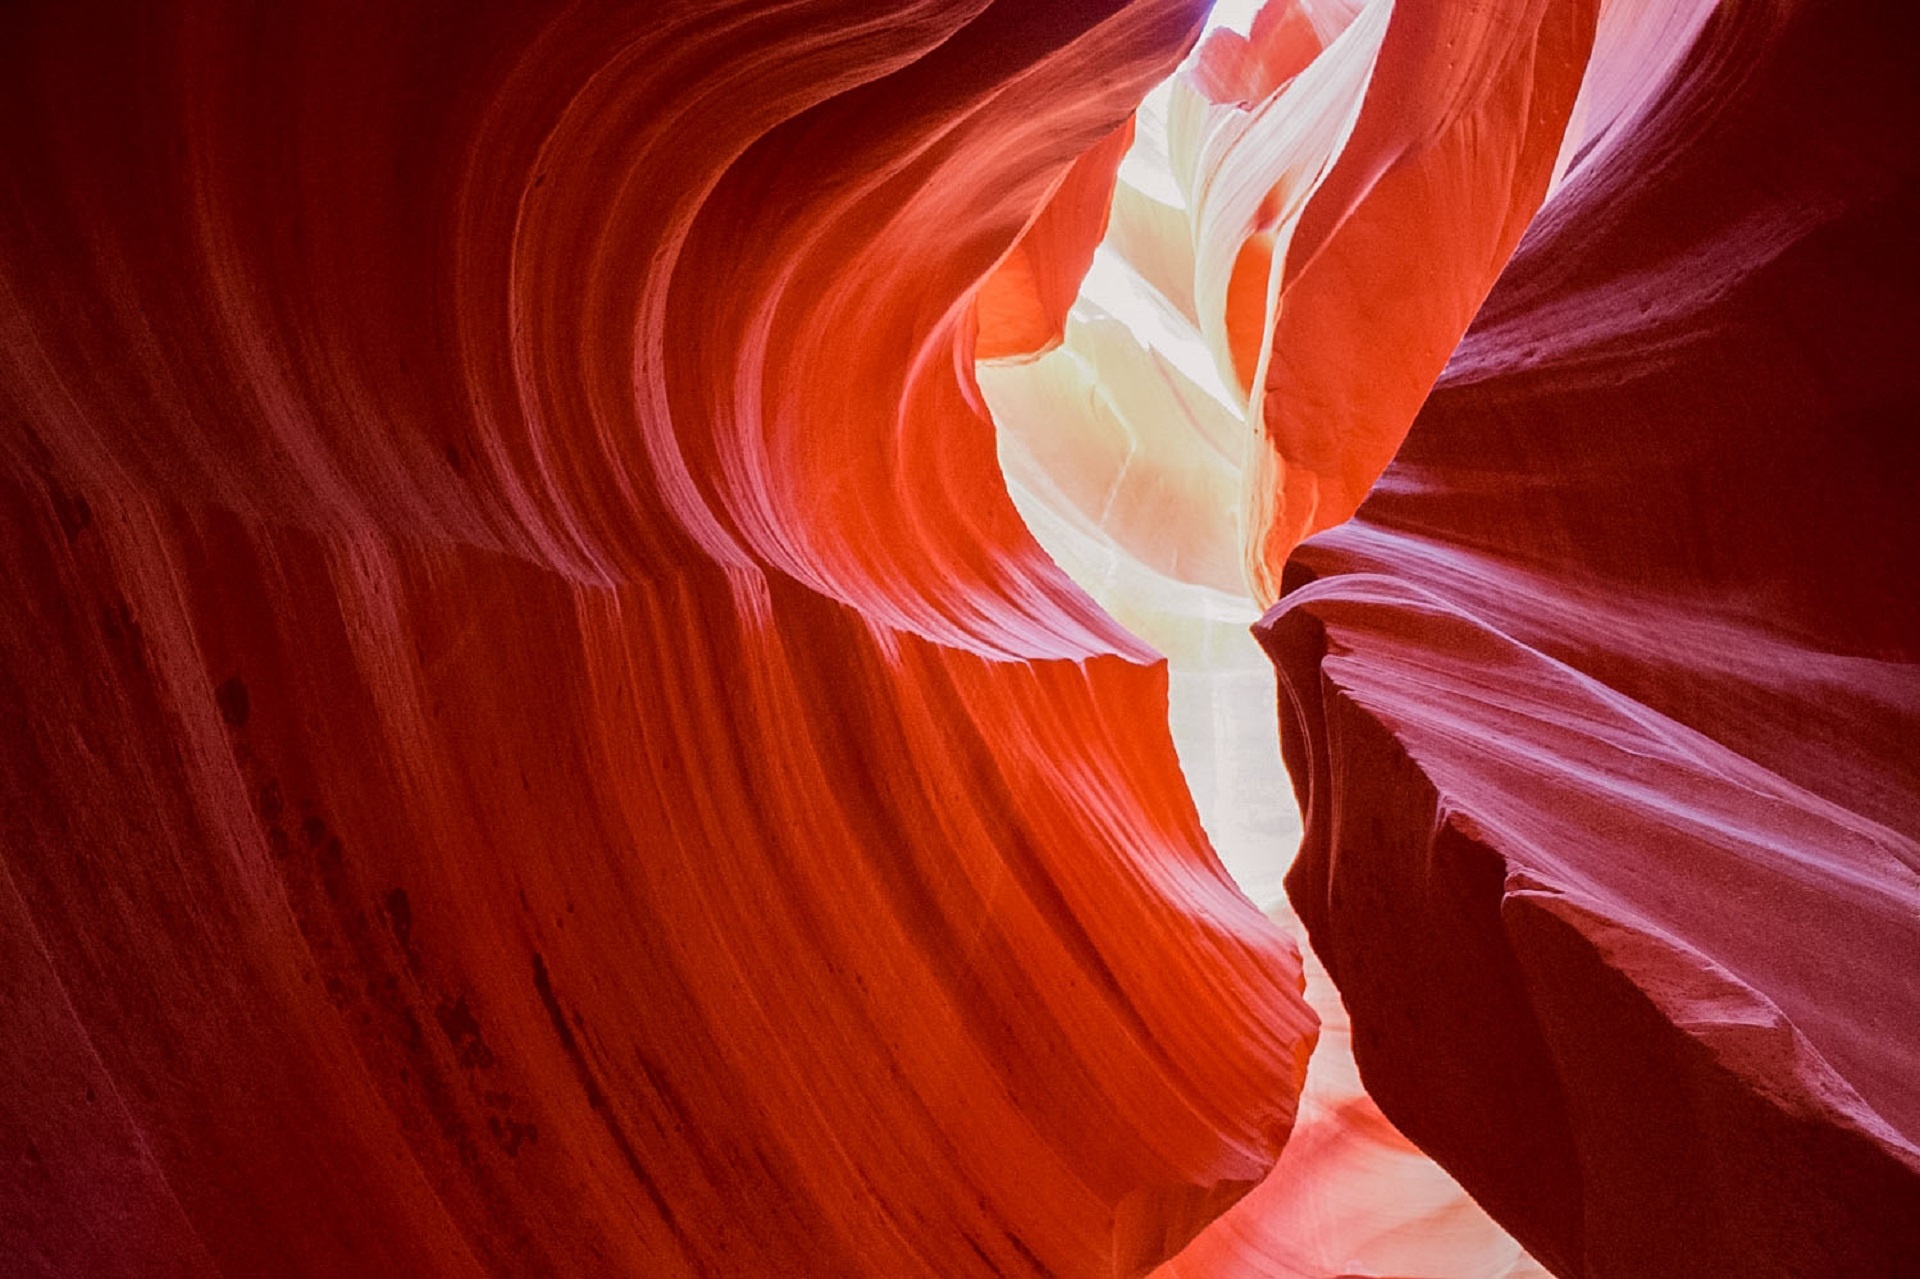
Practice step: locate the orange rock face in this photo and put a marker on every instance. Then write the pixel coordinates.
(535, 740)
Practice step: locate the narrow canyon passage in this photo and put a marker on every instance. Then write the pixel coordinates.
(695, 639)
(1126, 448)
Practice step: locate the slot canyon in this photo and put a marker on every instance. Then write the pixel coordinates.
(950, 638)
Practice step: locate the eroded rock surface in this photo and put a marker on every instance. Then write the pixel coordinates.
(1603, 713)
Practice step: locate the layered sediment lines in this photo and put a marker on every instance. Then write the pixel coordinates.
(536, 740)
(1603, 711)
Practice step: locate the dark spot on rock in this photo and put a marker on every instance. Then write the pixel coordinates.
(72, 511)
(462, 1030)
(454, 460)
(400, 916)
(511, 1133)
(234, 704)
(272, 802)
(118, 622)
(332, 859)
(313, 829)
(539, 179)
(91, 1095)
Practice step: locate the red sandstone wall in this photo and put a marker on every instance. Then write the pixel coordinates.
(535, 741)
(481, 793)
(1604, 712)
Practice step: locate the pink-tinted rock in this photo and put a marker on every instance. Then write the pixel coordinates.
(1603, 712)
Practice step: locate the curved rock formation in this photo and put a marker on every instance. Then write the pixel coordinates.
(536, 742)
(1139, 450)
(1603, 712)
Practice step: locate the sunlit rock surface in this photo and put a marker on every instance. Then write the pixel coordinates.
(1604, 712)
(541, 738)
(535, 740)
(1139, 453)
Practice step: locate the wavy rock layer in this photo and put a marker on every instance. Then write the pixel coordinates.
(1141, 451)
(1603, 711)
(536, 741)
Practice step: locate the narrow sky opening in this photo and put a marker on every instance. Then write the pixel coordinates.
(1129, 448)
(1123, 449)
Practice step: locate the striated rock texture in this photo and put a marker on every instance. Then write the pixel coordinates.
(1142, 451)
(1605, 712)
(535, 741)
